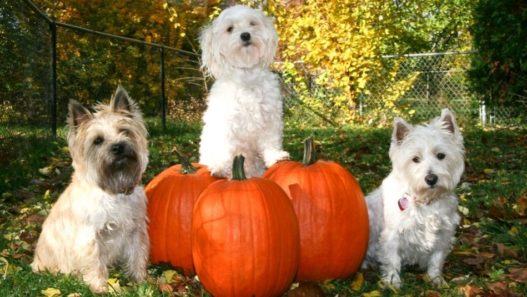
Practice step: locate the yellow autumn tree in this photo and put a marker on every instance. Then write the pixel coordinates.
(331, 45)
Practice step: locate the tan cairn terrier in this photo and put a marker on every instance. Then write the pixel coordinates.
(100, 219)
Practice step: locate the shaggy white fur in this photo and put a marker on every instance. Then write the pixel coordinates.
(244, 106)
(413, 215)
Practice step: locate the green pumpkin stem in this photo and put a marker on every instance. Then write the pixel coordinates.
(186, 166)
(238, 173)
(310, 154)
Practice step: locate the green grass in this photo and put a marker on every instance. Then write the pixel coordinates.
(492, 240)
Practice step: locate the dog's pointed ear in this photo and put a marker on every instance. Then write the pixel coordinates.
(448, 121)
(77, 114)
(400, 130)
(121, 102)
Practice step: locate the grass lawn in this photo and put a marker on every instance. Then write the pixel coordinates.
(489, 258)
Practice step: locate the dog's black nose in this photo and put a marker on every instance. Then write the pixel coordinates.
(245, 36)
(431, 179)
(117, 148)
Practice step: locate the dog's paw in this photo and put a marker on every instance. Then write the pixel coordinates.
(392, 279)
(99, 287)
(272, 156)
(437, 281)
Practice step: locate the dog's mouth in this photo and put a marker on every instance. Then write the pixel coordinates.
(121, 174)
(246, 43)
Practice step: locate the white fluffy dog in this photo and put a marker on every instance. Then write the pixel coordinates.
(413, 215)
(244, 108)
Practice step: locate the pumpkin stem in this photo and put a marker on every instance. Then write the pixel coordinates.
(186, 166)
(238, 173)
(310, 154)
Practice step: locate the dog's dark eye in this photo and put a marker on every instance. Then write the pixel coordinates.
(126, 132)
(252, 23)
(230, 29)
(98, 140)
(441, 156)
(416, 159)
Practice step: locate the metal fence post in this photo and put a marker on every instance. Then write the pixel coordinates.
(53, 99)
(163, 99)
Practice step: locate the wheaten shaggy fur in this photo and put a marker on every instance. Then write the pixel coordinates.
(100, 219)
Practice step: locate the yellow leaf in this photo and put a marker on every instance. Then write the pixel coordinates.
(373, 293)
(50, 292)
(488, 171)
(358, 281)
(168, 275)
(513, 231)
(114, 285)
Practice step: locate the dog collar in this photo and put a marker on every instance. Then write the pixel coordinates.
(403, 202)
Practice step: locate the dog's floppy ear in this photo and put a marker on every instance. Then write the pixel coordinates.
(448, 121)
(271, 40)
(209, 55)
(400, 130)
(121, 102)
(77, 114)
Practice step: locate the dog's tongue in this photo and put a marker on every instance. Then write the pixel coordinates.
(403, 203)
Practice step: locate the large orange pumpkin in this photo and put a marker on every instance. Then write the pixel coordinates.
(171, 197)
(332, 215)
(245, 239)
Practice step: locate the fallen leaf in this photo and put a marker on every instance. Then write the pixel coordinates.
(488, 171)
(470, 290)
(513, 231)
(50, 292)
(168, 275)
(373, 293)
(74, 295)
(505, 251)
(307, 289)
(474, 261)
(518, 274)
(499, 288)
(521, 206)
(114, 285)
(165, 288)
(358, 281)
(460, 279)
(46, 171)
(432, 293)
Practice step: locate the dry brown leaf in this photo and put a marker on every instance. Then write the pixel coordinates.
(518, 274)
(522, 206)
(165, 288)
(306, 290)
(476, 261)
(432, 293)
(499, 288)
(505, 251)
(470, 290)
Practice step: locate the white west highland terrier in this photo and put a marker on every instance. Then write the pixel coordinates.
(244, 108)
(413, 215)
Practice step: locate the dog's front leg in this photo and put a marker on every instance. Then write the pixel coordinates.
(94, 270)
(435, 268)
(390, 259)
(136, 253)
(271, 148)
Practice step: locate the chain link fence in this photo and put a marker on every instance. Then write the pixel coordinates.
(45, 63)
(168, 82)
(436, 81)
